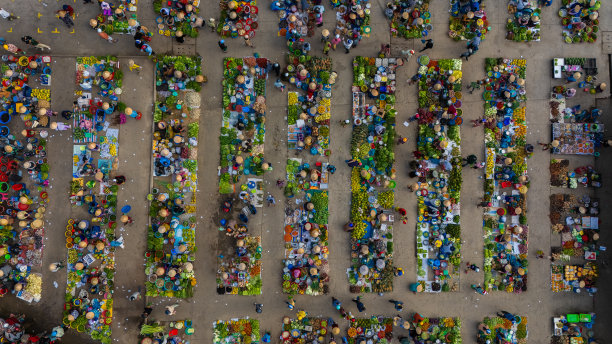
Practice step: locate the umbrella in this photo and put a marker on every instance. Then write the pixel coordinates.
(364, 270)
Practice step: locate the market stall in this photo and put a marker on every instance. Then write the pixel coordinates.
(562, 176)
(24, 172)
(468, 20)
(297, 22)
(117, 16)
(306, 330)
(176, 332)
(438, 330)
(309, 108)
(577, 138)
(236, 331)
(172, 212)
(243, 128)
(177, 15)
(306, 268)
(99, 109)
(575, 278)
(560, 112)
(90, 281)
(563, 67)
(576, 220)
(376, 330)
(524, 23)
(91, 241)
(580, 20)
(438, 167)
(25, 91)
(510, 331)
(24, 178)
(238, 18)
(240, 273)
(573, 328)
(575, 128)
(506, 182)
(372, 175)
(352, 20)
(409, 19)
(242, 154)
(13, 330)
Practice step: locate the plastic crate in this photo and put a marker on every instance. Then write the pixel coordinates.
(573, 318)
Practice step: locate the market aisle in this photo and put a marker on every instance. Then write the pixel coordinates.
(59, 157)
(135, 164)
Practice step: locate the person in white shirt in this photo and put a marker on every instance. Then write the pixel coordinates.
(7, 15)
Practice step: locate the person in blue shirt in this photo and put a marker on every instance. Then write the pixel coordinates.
(507, 315)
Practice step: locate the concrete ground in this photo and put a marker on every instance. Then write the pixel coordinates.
(538, 303)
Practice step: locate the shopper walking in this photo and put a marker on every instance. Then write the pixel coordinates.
(276, 68)
(133, 66)
(428, 44)
(348, 43)
(55, 267)
(547, 146)
(135, 296)
(474, 85)
(179, 36)
(12, 48)
(335, 41)
(290, 303)
(470, 160)
(360, 305)
(467, 54)
(212, 24)
(326, 47)
(271, 201)
(279, 85)
(336, 303)
(31, 41)
(171, 310)
(247, 41)
(68, 10)
(399, 305)
(324, 36)
(106, 36)
(222, 45)
(7, 15)
(258, 307)
(147, 311)
(478, 122)
(63, 16)
(147, 49)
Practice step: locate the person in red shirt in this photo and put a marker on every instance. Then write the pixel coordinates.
(68, 9)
